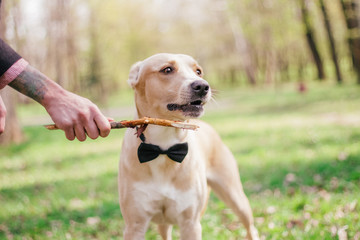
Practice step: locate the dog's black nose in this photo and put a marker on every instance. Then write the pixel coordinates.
(200, 88)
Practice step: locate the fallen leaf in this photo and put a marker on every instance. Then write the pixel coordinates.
(285, 234)
(333, 231)
(49, 234)
(334, 183)
(317, 178)
(307, 215)
(357, 236)
(233, 226)
(76, 203)
(289, 178)
(271, 225)
(339, 213)
(92, 221)
(290, 191)
(342, 234)
(277, 193)
(270, 210)
(259, 220)
(325, 195)
(309, 189)
(68, 236)
(294, 223)
(351, 207)
(342, 156)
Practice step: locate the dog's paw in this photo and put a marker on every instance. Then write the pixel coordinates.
(253, 233)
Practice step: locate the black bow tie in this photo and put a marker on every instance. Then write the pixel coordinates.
(148, 152)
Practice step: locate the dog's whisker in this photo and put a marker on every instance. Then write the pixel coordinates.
(214, 101)
(215, 92)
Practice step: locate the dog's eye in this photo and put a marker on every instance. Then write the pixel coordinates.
(198, 71)
(167, 70)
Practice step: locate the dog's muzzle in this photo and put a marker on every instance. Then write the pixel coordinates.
(199, 89)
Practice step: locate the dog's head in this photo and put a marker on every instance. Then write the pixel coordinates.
(169, 86)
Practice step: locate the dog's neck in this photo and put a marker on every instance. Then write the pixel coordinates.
(164, 137)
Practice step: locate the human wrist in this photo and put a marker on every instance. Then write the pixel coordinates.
(52, 94)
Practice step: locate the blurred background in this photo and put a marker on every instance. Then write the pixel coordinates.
(89, 46)
(287, 75)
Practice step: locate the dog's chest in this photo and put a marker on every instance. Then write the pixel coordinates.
(160, 194)
(163, 198)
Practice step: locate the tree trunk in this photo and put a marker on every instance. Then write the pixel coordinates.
(242, 47)
(310, 39)
(331, 41)
(13, 133)
(271, 68)
(95, 82)
(56, 29)
(351, 10)
(62, 49)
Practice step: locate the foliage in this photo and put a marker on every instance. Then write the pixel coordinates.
(298, 156)
(90, 48)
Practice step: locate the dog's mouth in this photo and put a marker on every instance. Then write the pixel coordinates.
(192, 109)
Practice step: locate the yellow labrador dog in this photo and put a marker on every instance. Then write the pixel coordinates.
(165, 174)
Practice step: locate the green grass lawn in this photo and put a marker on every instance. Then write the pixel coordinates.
(298, 156)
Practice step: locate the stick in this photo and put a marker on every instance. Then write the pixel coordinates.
(143, 121)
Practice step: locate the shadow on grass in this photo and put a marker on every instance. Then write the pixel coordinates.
(63, 205)
(331, 175)
(58, 197)
(31, 135)
(61, 162)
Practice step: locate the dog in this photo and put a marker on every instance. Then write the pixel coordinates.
(171, 186)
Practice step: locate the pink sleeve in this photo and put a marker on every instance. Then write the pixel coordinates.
(17, 68)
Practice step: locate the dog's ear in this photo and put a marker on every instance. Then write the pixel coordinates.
(134, 74)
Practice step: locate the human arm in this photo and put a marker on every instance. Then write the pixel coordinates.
(76, 115)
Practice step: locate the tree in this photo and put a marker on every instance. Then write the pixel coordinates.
(13, 133)
(309, 32)
(351, 11)
(62, 49)
(94, 78)
(332, 47)
(242, 47)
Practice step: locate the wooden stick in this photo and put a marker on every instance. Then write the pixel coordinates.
(143, 121)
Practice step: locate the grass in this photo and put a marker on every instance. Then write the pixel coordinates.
(298, 155)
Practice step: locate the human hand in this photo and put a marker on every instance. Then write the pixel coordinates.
(2, 116)
(76, 115)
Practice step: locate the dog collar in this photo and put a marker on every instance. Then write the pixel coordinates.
(148, 152)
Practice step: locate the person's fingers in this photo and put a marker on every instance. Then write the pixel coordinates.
(103, 125)
(69, 133)
(2, 121)
(80, 132)
(92, 130)
(2, 124)
(78, 117)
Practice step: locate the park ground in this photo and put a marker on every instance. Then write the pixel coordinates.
(298, 156)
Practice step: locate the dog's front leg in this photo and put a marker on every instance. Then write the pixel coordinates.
(136, 230)
(165, 231)
(190, 230)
